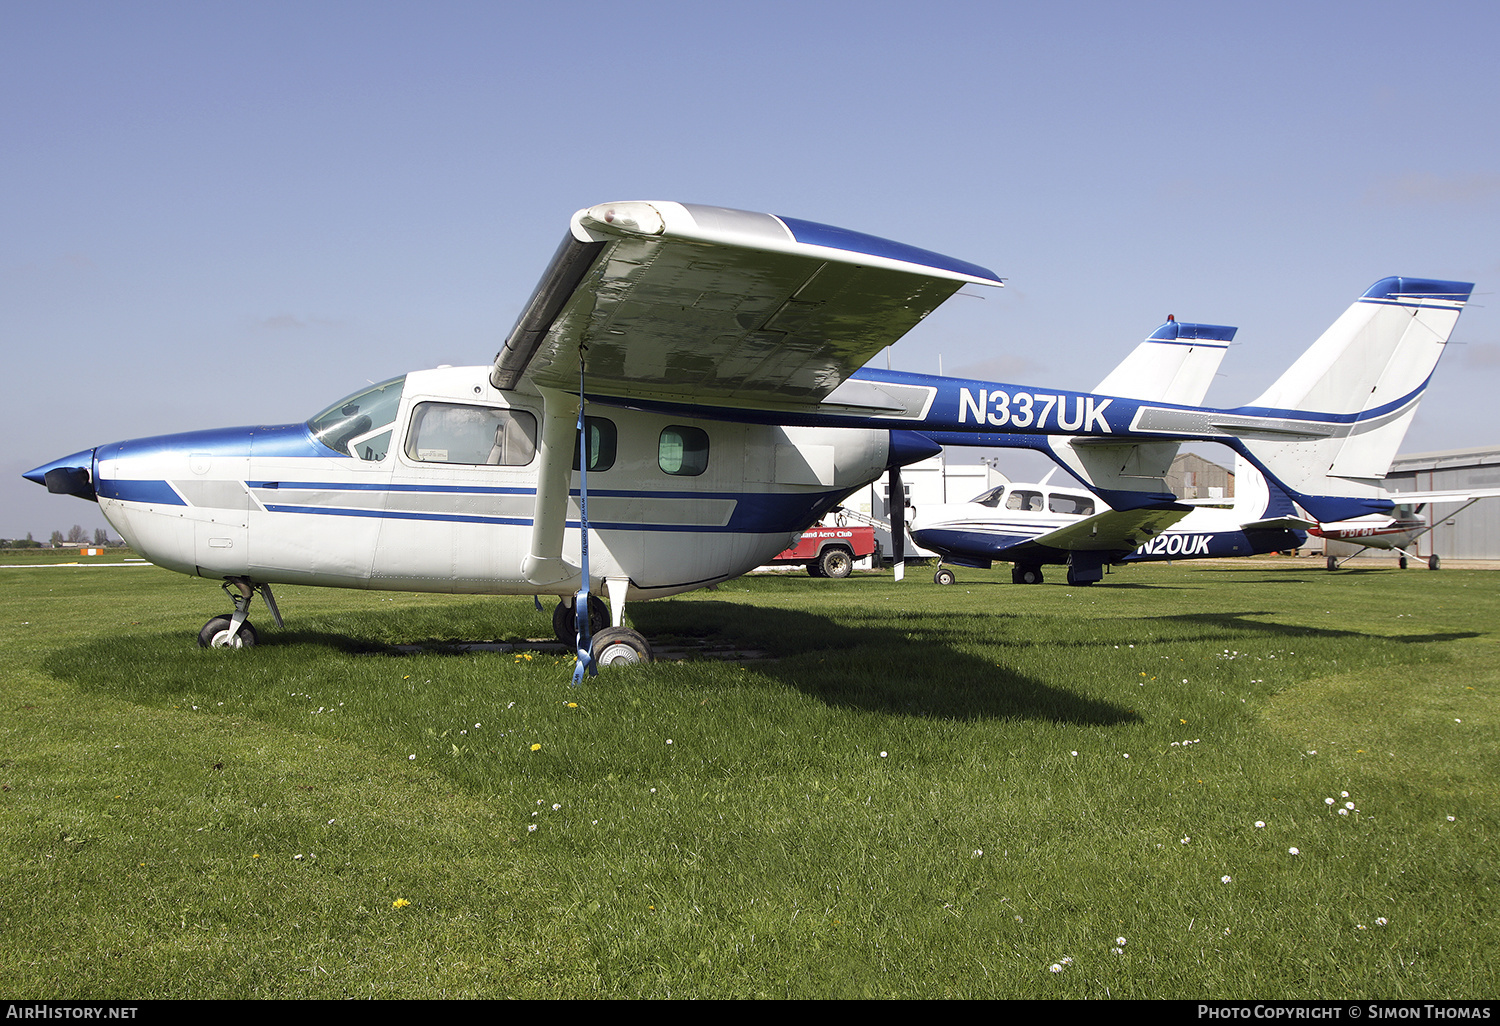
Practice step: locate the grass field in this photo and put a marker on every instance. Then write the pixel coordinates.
(1271, 782)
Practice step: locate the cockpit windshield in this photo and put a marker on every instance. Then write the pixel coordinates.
(990, 498)
(360, 425)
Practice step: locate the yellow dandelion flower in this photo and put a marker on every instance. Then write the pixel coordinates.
(400, 903)
(536, 748)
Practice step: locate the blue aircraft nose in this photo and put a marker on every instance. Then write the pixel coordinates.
(71, 475)
(908, 447)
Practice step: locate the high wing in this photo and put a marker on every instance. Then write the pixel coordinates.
(684, 303)
(1112, 530)
(1448, 495)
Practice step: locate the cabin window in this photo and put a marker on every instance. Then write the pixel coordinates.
(683, 451)
(359, 425)
(471, 435)
(1031, 501)
(603, 439)
(990, 498)
(1078, 505)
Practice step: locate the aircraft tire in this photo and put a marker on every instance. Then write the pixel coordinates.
(815, 568)
(1333, 564)
(1026, 575)
(835, 563)
(944, 576)
(620, 646)
(562, 619)
(1074, 582)
(1433, 563)
(1401, 562)
(215, 634)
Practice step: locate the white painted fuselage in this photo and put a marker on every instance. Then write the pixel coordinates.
(383, 508)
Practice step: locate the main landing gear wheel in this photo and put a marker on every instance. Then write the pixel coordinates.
(1333, 564)
(1074, 582)
(619, 646)
(565, 626)
(1026, 575)
(215, 634)
(835, 563)
(1433, 563)
(1401, 562)
(944, 576)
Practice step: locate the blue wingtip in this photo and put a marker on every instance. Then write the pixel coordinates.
(815, 234)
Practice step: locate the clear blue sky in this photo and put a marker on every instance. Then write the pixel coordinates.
(227, 213)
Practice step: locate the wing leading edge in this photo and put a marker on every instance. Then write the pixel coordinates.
(686, 303)
(1113, 530)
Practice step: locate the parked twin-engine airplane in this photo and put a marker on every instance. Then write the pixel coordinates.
(715, 352)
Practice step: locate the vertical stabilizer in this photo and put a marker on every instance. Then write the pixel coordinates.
(1175, 364)
(1357, 386)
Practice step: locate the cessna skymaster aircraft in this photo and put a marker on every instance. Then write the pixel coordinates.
(713, 351)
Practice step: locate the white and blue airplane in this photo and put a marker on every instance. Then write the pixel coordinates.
(712, 360)
(1036, 525)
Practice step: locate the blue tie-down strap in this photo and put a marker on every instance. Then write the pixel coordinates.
(584, 659)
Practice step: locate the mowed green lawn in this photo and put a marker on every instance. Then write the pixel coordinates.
(1237, 780)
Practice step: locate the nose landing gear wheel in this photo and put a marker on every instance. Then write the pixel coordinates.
(215, 634)
(944, 576)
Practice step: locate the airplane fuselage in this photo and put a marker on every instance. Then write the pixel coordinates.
(1013, 523)
(1375, 532)
(438, 493)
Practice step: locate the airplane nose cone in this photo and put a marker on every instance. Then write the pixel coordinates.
(71, 475)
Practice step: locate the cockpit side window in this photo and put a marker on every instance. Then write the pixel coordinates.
(359, 425)
(473, 435)
(1078, 505)
(1025, 500)
(990, 498)
(682, 451)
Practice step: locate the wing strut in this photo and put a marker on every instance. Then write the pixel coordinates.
(584, 659)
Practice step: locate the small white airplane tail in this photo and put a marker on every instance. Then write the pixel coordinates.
(1175, 364)
(1329, 427)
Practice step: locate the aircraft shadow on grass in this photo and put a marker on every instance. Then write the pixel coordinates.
(1242, 623)
(874, 661)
